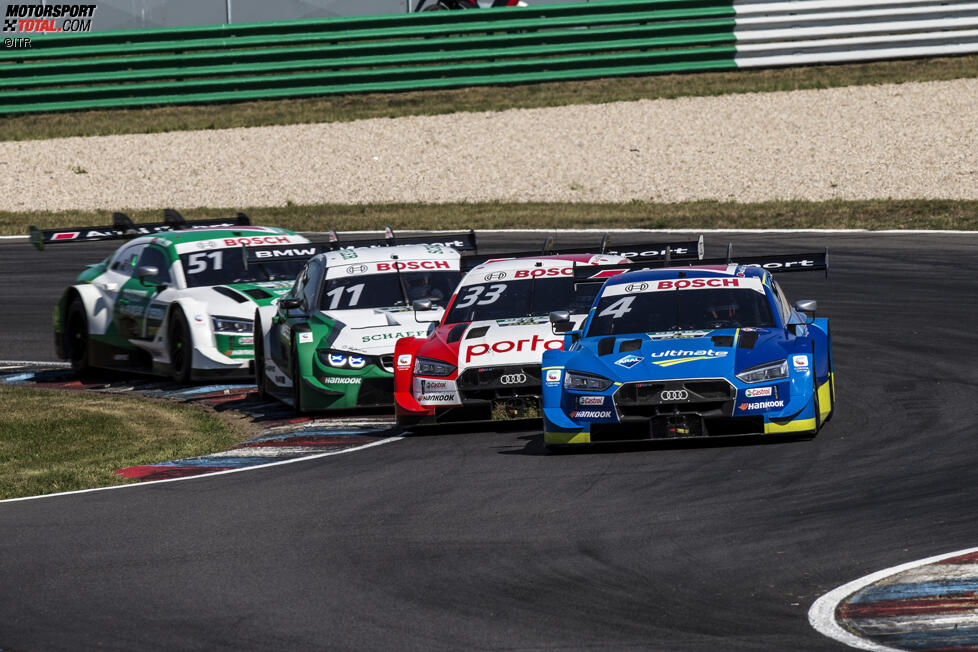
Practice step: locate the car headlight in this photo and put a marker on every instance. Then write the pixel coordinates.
(342, 359)
(585, 382)
(429, 367)
(232, 325)
(765, 372)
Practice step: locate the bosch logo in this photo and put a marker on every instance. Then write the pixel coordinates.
(674, 395)
(356, 269)
(495, 276)
(513, 379)
(632, 287)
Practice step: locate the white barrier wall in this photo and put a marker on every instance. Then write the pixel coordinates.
(831, 31)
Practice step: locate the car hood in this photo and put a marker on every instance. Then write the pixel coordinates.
(375, 331)
(237, 299)
(716, 353)
(520, 340)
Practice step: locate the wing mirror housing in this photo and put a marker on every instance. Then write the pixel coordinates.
(290, 303)
(806, 305)
(146, 273)
(143, 273)
(423, 305)
(560, 322)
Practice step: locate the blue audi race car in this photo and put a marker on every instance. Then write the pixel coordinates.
(692, 351)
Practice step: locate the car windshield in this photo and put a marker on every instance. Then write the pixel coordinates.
(387, 290)
(523, 298)
(676, 310)
(223, 266)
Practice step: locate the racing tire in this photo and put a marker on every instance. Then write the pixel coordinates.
(296, 380)
(76, 340)
(261, 380)
(181, 347)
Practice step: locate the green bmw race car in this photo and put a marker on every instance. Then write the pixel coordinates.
(176, 299)
(330, 343)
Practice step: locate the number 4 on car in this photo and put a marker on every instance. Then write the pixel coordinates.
(684, 352)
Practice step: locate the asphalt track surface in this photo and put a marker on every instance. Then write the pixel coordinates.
(479, 540)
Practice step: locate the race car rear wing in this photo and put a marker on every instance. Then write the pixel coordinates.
(777, 264)
(122, 227)
(461, 242)
(645, 251)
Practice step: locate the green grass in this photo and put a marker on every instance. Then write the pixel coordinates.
(52, 441)
(390, 105)
(836, 214)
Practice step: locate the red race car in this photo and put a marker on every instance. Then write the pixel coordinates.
(482, 360)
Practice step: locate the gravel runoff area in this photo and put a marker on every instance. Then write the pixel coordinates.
(913, 140)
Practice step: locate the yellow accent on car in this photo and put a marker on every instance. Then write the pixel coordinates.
(798, 425)
(567, 438)
(669, 363)
(825, 397)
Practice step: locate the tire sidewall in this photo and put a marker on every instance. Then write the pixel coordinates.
(261, 380)
(179, 333)
(76, 315)
(296, 379)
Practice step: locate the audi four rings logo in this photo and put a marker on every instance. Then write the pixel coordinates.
(674, 395)
(513, 379)
(356, 269)
(641, 287)
(496, 276)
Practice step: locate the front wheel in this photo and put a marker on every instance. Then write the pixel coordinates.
(296, 380)
(261, 380)
(76, 336)
(181, 347)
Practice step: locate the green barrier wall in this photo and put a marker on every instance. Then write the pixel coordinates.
(426, 50)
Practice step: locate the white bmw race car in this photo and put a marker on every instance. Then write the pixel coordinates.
(177, 298)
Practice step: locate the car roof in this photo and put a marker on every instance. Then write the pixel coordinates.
(696, 271)
(383, 254)
(556, 261)
(170, 238)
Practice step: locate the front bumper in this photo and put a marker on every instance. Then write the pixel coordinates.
(682, 409)
(329, 388)
(483, 394)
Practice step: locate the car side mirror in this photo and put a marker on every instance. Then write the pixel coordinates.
(423, 305)
(806, 305)
(142, 273)
(290, 303)
(148, 272)
(560, 321)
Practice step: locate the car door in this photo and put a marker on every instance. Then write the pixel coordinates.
(123, 290)
(157, 297)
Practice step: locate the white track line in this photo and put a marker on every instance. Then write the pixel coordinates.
(821, 616)
(206, 475)
(6, 364)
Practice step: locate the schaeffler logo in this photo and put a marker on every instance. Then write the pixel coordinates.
(48, 18)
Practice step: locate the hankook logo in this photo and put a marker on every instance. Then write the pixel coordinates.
(356, 269)
(674, 395)
(632, 287)
(513, 379)
(495, 276)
